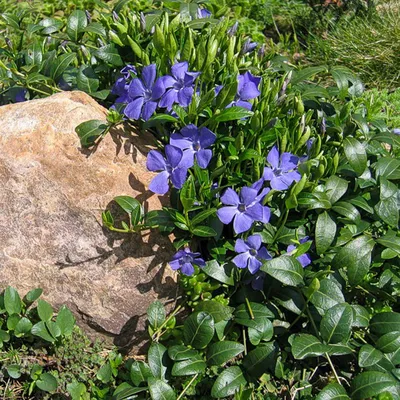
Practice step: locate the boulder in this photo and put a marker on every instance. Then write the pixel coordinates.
(52, 194)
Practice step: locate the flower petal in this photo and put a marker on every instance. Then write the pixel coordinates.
(255, 212)
(248, 195)
(249, 91)
(242, 223)
(179, 141)
(207, 138)
(263, 254)
(168, 99)
(241, 260)
(190, 77)
(290, 177)
(254, 265)
(178, 70)
(241, 246)
(243, 104)
(149, 75)
(159, 184)
(268, 174)
(203, 157)
(158, 89)
(266, 215)
(173, 155)
(175, 264)
(136, 88)
(254, 241)
(230, 197)
(278, 183)
(168, 81)
(185, 96)
(187, 159)
(134, 108)
(273, 157)
(304, 260)
(155, 161)
(187, 269)
(148, 109)
(199, 262)
(178, 177)
(288, 162)
(226, 214)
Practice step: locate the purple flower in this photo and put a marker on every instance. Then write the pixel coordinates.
(126, 71)
(304, 259)
(174, 167)
(179, 85)
(396, 131)
(144, 94)
(257, 283)
(121, 86)
(248, 47)
(196, 141)
(247, 90)
(250, 252)
(233, 29)
(282, 174)
(20, 95)
(203, 13)
(243, 209)
(184, 260)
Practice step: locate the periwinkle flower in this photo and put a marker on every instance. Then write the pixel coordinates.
(247, 90)
(233, 29)
(88, 16)
(396, 131)
(303, 259)
(243, 209)
(144, 94)
(20, 95)
(196, 141)
(261, 51)
(126, 71)
(174, 167)
(248, 47)
(179, 85)
(184, 260)
(203, 13)
(250, 252)
(282, 172)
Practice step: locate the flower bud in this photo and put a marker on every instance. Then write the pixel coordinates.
(88, 16)
(115, 38)
(233, 29)
(115, 16)
(159, 40)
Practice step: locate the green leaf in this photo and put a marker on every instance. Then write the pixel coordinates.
(33, 295)
(181, 353)
(156, 314)
(333, 391)
(372, 383)
(204, 231)
(347, 210)
(50, 25)
(335, 188)
(191, 366)
(232, 114)
(388, 211)
(53, 329)
(388, 167)
(188, 193)
(11, 20)
(327, 296)
(361, 316)
(12, 301)
(45, 310)
(159, 390)
(41, 330)
(87, 80)
(140, 372)
(258, 312)
(65, 321)
(4, 336)
(23, 327)
(127, 203)
(125, 391)
(47, 382)
(198, 329)
(76, 24)
(200, 217)
(368, 356)
(76, 390)
(355, 154)
(305, 345)
(307, 73)
(218, 311)
(389, 342)
(356, 257)
(14, 371)
(385, 322)
(325, 232)
(89, 131)
(221, 352)
(60, 64)
(336, 323)
(158, 360)
(104, 374)
(12, 321)
(222, 273)
(109, 54)
(391, 241)
(261, 359)
(96, 28)
(228, 382)
(285, 269)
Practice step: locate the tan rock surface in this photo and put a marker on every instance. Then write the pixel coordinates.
(52, 194)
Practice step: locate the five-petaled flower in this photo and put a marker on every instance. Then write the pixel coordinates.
(304, 259)
(121, 86)
(247, 90)
(195, 140)
(174, 166)
(243, 209)
(282, 172)
(144, 94)
(184, 260)
(250, 252)
(179, 86)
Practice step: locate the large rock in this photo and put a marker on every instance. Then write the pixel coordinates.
(52, 194)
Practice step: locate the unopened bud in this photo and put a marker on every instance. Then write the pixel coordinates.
(233, 29)
(88, 16)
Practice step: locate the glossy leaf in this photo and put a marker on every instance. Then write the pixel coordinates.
(336, 323)
(159, 390)
(198, 329)
(158, 360)
(305, 345)
(228, 382)
(76, 24)
(325, 232)
(368, 356)
(355, 154)
(221, 352)
(372, 383)
(285, 269)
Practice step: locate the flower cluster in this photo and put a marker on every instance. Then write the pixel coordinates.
(144, 95)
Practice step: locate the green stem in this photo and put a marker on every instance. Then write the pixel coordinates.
(187, 387)
(158, 331)
(250, 309)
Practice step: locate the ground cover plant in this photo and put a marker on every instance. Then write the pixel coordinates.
(283, 204)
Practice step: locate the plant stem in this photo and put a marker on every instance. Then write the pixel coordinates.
(250, 309)
(187, 387)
